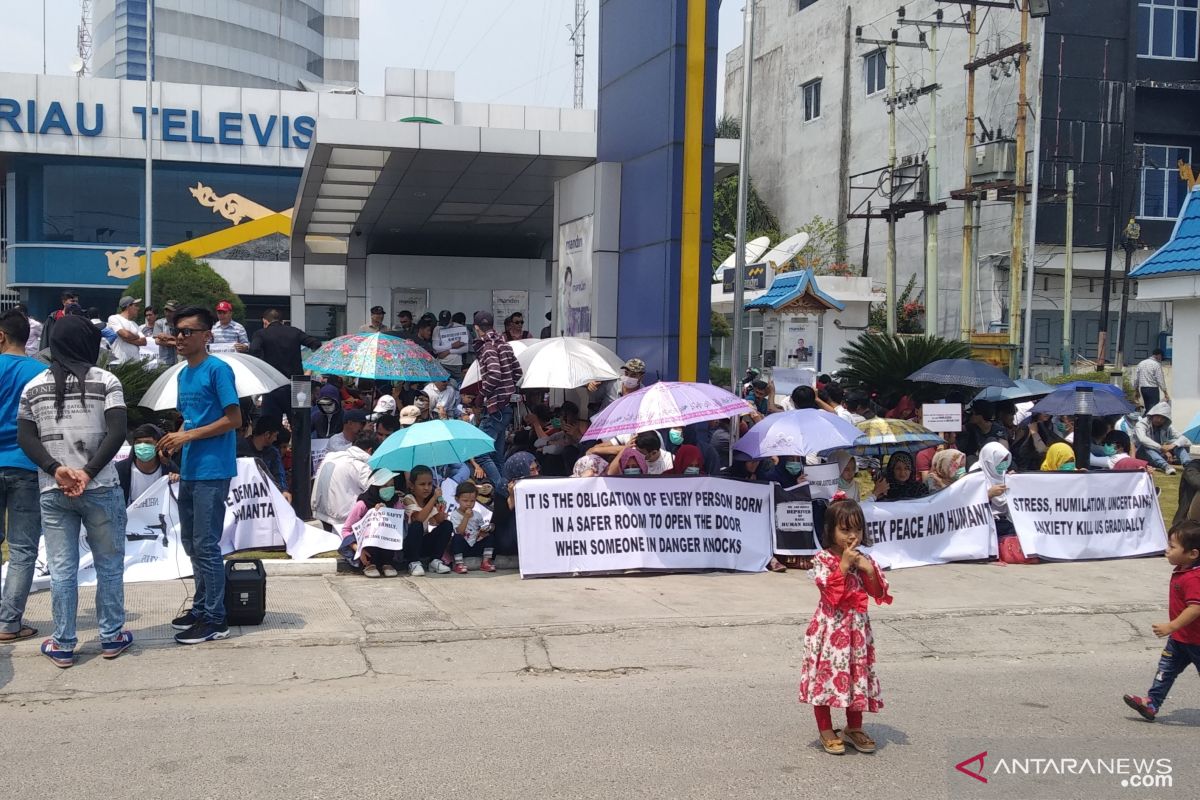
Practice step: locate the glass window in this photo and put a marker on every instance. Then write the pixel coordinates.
(875, 69)
(1167, 29)
(1163, 190)
(811, 92)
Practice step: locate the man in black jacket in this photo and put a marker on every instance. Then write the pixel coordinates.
(279, 345)
(145, 460)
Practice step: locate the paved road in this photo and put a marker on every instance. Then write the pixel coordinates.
(601, 697)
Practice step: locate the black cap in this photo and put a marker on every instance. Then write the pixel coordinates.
(445, 318)
(427, 319)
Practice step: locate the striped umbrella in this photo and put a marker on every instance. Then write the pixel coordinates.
(882, 437)
(377, 356)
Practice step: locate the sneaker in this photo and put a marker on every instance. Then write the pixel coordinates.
(202, 632)
(439, 567)
(460, 568)
(415, 569)
(388, 571)
(61, 658)
(1169, 470)
(1142, 705)
(116, 646)
(187, 620)
(371, 571)
(487, 566)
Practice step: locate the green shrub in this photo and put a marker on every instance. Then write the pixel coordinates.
(189, 283)
(718, 376)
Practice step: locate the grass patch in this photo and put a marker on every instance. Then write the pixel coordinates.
(1168, 497)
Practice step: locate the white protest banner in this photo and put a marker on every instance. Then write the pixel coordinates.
(942, 417)
(1072, 516)
(382, 528)
(257, 516)
(571, 526)
(954, 524)
(794, 525)
(823, 480)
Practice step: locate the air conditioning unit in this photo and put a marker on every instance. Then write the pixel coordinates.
(995, 161)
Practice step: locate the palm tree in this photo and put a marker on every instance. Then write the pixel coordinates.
(881, 364)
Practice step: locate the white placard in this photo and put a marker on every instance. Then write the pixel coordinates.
(449, 337)
(942, 417)
(955, 524)
(574, 526)
(823, 480)
(382, 528)
(1072, 516)
(795, 529)
(227, 347)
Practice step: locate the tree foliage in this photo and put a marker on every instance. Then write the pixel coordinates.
(760, 220)
(189, 283)
(881, 364)
(135, 380)
(825, 252)
(910, 314)
(720, 326)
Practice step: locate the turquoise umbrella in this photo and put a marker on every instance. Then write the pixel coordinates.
(431, 444)
(377, 356)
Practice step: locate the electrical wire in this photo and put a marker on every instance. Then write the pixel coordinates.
(487, 31)
(433, 34)
(450, 35)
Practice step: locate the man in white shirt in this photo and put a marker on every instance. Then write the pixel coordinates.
(127, 346)
(450, 342)
(353, 422)
(1149, 382)
(343, 476)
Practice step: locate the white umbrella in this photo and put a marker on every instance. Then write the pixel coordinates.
(472, 376)
(251, 376)
(567, 362)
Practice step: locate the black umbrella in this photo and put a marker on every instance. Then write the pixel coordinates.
(962, 372)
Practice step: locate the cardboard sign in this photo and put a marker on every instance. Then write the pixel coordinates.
(942, 417)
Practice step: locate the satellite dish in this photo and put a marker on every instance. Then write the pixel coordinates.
(786, 250)
(77, 66)
(754, 249)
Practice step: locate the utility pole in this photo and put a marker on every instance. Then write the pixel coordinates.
(890, 262)
(1131, 241)
(1017, 257)
(1068, 273)
(738, 359)
(931, 217)
(149, 118)
(1033, 209)
(966, 320)
(577, 35)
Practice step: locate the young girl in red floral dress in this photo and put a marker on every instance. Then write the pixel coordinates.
(839, 650)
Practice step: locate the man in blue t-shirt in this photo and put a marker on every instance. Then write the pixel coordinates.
(208, 402)
(20, 511)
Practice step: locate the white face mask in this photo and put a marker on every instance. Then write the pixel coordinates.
(629, 382)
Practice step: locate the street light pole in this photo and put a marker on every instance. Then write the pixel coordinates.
(149, 121)
(738, 355)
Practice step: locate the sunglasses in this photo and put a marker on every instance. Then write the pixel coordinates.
(187, 333)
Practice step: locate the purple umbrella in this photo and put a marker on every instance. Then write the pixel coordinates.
(666, 404)
(797, 433)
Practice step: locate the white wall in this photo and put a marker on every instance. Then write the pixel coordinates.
(459, 284)
(1185, 373)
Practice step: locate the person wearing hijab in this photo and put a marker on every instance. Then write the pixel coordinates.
(589, 467)
(745, 468)
(71, 421)
(788, 472)
(688, 461)
(948, 466)
(848, 483)
(1059, 458)
(630, 462)
(902, 479)
(994, 462)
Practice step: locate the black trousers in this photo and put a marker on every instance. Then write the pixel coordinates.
(1150, 397)
(422, 546)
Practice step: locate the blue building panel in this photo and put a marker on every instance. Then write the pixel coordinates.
(646, 29)
(647, 223)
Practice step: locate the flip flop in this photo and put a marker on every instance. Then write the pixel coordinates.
(26, 632)
(776, 566)
(859, 740)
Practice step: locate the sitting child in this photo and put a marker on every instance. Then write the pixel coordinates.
(470, 530)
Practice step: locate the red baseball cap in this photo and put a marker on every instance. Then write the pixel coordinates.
(224, 305)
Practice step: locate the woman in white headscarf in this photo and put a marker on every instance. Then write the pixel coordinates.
(847, 482)
(994, 462)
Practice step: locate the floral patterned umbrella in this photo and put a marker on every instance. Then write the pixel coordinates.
(377, 356)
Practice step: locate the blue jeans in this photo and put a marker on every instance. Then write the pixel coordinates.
(20, 504)
(496, 426)
(1176, 657)
(101, 511)
(1158, 460)
(201, 520)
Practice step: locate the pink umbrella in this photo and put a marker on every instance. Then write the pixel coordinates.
(666, 404)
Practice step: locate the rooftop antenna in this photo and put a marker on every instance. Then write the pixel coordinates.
(577, 32)
(83, 40)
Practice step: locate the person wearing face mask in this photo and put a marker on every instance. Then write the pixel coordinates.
(994, 462)
(603, 394)
(327, 418)
(630, 463)
(1059, 458)
(847, 479)
(145, 464)
(374, 562)
(688, 461)
(788, 472)
(948, 466)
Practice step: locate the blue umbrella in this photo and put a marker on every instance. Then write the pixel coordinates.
(1025, 389)
(797, 433)
(431, 444)
(962, 372)
(1096, 387)
(1062, 403)
(1192, 434)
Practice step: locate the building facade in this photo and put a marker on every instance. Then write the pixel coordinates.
(264, 44)
(820, 138)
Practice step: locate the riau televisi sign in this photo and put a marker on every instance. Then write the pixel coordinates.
(234, 128)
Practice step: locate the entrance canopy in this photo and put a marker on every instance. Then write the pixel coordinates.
(426, 189)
